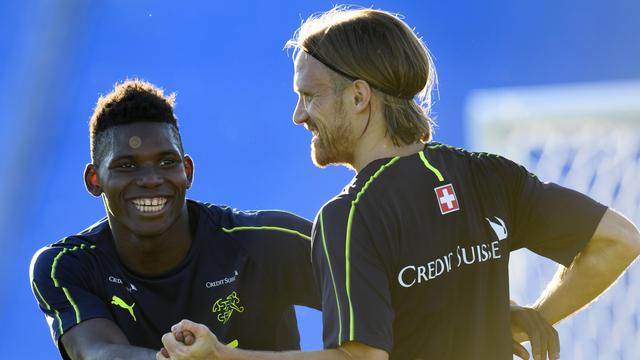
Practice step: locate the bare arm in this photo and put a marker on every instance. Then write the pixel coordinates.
(207, 346)
(101, 339)
(613, 247)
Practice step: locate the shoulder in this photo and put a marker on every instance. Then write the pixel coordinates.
(258, 228)
(228, 218)
(48, 258)
(480, 165)
(451, 153)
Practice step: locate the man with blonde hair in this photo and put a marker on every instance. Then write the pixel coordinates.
(412, 256)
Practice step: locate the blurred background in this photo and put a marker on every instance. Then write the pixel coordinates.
(564, 69)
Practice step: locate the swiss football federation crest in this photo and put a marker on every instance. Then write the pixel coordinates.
(225, 307)
(447, 199)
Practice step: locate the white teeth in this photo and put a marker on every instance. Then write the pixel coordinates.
(149, 205)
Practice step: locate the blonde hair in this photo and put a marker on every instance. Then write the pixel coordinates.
(378, 47)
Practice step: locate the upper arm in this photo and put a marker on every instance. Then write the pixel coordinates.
(549, 219)
(90, 337)
(60, 284)
(288, 251)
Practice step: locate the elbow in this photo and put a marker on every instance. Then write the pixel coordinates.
(634, 242)
(627, 242)
(615, 241)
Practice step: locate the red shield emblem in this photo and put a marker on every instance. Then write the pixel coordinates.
(447, 199)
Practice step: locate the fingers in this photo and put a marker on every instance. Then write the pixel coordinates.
(543, 337)
(520, 351)
(162, 354)
(551, 340)
(178, 335)
(188, 337)
(538, 343)
(195, 328)
(554, 344)
(184, 336)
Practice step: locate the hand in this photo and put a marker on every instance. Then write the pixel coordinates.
(189, 340)
(528, 324)
(186, 337)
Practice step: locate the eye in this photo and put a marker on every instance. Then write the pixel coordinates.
(307, 98)
(126, 165)
(167, 162)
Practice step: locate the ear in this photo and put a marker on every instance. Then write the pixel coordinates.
(91, 181)
(188, 169)
(361, 95)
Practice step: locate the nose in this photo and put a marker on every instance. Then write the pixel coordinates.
(300, 114)
(149, 177)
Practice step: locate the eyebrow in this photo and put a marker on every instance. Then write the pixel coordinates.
(131, 156)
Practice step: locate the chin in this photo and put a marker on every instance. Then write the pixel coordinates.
(322, 157)
(318, 158)
(149, 231)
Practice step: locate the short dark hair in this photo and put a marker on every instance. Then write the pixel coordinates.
(129, 102)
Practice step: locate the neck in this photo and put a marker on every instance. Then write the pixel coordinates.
(153, 255)
(377, 146)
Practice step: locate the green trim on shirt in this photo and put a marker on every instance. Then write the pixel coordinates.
(275, 228)
(348, 240)
(335, 289)
(431, 167)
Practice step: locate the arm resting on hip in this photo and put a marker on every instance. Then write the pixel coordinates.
(613, 247)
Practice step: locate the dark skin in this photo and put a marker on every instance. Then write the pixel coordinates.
(149, 240)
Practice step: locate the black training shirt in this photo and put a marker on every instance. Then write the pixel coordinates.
(241, 278)
(412, 256)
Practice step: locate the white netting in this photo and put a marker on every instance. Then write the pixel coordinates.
(594, 149)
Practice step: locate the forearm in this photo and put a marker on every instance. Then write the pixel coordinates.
(613, 248)
(575, 287)
(331, 354)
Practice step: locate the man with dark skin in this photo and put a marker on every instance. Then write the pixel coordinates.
(148, 244)
(112, 290)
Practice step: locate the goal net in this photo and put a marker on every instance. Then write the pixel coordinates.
(585, 137)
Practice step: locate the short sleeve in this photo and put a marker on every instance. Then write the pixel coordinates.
(356, 300)
(292, 254)
(551, 220)
(59, 284)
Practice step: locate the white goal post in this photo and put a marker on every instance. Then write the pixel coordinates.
(585, 137)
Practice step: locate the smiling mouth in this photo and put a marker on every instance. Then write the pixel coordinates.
(149, 205)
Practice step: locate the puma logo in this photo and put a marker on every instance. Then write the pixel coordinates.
(119, 302)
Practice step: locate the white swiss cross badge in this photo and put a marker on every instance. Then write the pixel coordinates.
(447, 199)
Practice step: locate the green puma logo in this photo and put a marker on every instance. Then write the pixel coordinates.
(119, 302)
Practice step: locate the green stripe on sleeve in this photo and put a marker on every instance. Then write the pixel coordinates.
(275, 228)
(35, 287)
(75, 307)
(335, 289)
(430, 167)
(54, 266)
(59, 321)
(348, 240)
(57, 314)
